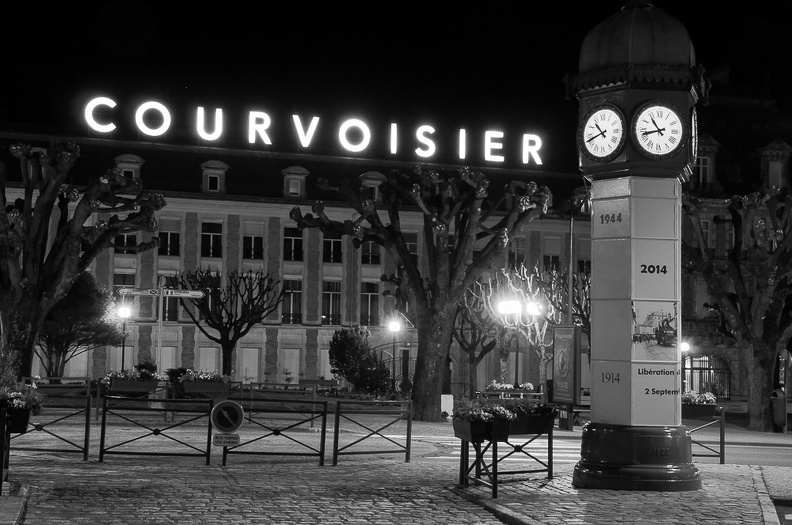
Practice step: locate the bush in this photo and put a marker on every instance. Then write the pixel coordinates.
(352, 358)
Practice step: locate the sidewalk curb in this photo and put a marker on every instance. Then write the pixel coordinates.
(766, 504)
(14, 505)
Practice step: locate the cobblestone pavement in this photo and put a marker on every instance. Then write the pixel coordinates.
(368, 488)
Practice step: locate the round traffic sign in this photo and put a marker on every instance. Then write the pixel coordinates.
(227, 416)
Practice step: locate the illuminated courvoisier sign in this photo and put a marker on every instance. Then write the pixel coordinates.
(353, 135)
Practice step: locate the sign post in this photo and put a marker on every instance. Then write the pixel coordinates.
(161, 292)
(226, 417)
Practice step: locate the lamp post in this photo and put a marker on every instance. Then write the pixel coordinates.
(394, 326)
(124, 312)
(513, 306)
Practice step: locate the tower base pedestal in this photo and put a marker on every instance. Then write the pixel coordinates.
(624, 457)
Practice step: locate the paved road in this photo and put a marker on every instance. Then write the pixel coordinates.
(367, 488)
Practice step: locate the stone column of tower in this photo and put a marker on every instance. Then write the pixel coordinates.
(636, 85)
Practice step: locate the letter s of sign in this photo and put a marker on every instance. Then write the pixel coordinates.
(89, 114)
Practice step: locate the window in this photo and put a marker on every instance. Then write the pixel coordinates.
(253, 247)
(169, 243)
(411, 240)
(370, 253)
(331, 302)
(584, 266)
(369, 304)
(551, 258)
(516, 252)
(701, 172)
(291, 307)
(331, 248)
(214, 183)
(292, 244)
(211, 239)
(551, 262)
(125, 243)
(122, 280)
(170, 305)
(370, 192)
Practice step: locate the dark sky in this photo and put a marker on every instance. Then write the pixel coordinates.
(495, 64)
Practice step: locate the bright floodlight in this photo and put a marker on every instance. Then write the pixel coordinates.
(684, 346)
(394, 326)
(532, 309)
(509, 307)
(124, 312)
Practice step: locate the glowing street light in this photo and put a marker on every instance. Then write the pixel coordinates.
(124, 312)
(394, 326)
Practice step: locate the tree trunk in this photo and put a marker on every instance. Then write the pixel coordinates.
(17, 340)
(759, 379)
(473, 376)
(227, 364)
(434, 342)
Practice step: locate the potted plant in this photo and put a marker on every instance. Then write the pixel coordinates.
(20, 401)
(476, 420)
(698, 405)
(142, 379)
(531, 416)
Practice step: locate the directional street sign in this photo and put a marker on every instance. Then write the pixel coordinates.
(139, 291)
(182, 293)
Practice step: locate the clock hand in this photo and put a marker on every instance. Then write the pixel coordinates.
(600, 134)
(656, 126)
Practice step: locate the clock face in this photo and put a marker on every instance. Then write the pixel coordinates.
(601, 135)
(658, 130)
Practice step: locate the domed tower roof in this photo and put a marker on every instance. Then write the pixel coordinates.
(639, 43)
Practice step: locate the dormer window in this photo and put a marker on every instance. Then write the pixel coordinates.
(294, 178)
(775, 164)
(129, 165)
(214, 176)
(370, 185)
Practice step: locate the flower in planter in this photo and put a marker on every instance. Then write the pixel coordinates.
(495, 386)
(478, 410)
(144, 371)
(192, 375)
(528, 406)
(21, 397)
(694, 398)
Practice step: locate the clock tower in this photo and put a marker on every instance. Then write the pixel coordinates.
(637, 86)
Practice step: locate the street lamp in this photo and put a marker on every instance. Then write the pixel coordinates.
(124, 312)
(508, 307)
(394, 326)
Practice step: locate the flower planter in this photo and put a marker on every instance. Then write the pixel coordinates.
(123, 386)
(531, 424)
(472, 431)
(478, 431)
(698, 411)
(498, 430)
(206, 387)
(17, 420)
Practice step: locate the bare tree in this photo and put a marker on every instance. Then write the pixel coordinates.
(474, 331)
(464, 232)
(50, 232)
(752, 286)
(514, 299)
(233, 304)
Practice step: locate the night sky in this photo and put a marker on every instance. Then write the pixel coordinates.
(493, 65)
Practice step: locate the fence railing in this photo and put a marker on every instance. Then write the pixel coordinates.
(66, 400)
(352, 412)
(720, 452)
(138, 412)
